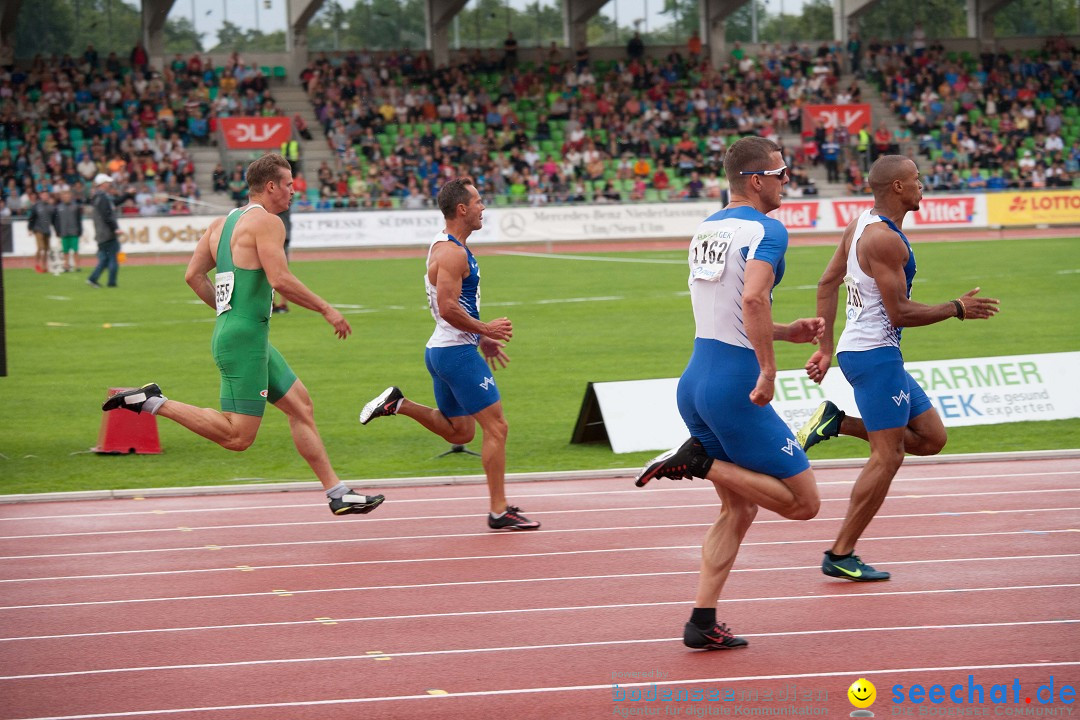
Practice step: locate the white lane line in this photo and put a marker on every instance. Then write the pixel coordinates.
(594, 258)
(566, 688)
(513, 556)
(488, 534)
(286, 623)
(570, 608)
(415, 586)
(693, 506)
(526, 648)
(524, 492)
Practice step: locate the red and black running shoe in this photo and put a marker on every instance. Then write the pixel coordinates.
(512, 519)
(718, 638)
(684, 462)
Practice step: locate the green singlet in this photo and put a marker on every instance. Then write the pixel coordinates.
(252, 371)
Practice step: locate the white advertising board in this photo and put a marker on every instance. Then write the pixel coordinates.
(552, 223)
(642, 414)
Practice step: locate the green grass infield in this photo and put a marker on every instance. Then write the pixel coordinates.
(577, 318)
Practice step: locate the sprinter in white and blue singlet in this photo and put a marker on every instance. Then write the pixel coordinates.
(738, 442)
(877, 265)
(465, 392)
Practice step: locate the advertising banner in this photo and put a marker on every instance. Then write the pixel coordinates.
(642, 414)
(853, 117)
(556, 223)
(254, 133)
(1034, 208)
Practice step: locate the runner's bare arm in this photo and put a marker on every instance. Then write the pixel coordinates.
(827, 293)
(886, 256)
(201, 263)
(269, 233)
(757, 319)
(450, 267)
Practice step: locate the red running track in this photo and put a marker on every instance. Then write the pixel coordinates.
(265, 607)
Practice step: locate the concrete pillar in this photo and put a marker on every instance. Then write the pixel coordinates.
(299, 14)
(440, 16)
(714, 14)
(9, 12)
(576, 15)
(154, 14)
(980, 20)
(844, 11)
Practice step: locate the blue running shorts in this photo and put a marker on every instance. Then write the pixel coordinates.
(887, 396)
(464, 384)
(714, 401)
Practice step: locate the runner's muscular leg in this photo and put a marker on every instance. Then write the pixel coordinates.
(297, 406)
(493, 453)
(925, 434)
(872, 486)
(456, 430)
(796, 497)
(722, 545)
(231, 431)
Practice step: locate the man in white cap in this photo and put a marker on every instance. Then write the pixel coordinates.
(106, 231)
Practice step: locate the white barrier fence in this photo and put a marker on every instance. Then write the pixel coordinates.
(386, 228)
(642, 414)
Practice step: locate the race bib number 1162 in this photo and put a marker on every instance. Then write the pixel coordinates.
(708, 255)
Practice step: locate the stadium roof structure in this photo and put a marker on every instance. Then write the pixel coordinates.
(576, 14)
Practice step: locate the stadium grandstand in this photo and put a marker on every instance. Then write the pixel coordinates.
(535, 126)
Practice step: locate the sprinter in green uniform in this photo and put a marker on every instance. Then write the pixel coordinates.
(247, 248)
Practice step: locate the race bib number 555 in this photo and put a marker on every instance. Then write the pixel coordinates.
(223, 290)
(708, 255)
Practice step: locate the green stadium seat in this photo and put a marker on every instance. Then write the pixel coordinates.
(279, 72)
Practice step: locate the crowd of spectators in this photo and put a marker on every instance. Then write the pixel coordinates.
(561, 130)
(65, 120)
(990, 122)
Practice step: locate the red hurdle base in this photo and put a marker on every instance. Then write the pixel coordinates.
(124, 432)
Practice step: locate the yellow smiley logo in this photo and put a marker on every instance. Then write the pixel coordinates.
(862, 693)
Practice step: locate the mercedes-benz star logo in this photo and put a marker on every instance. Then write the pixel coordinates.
(512, 224)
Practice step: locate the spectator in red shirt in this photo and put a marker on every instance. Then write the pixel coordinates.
(660, 179)
(883, 141)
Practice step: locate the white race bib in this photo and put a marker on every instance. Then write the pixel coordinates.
(708, 255)
(223, 290)
(854, 298)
